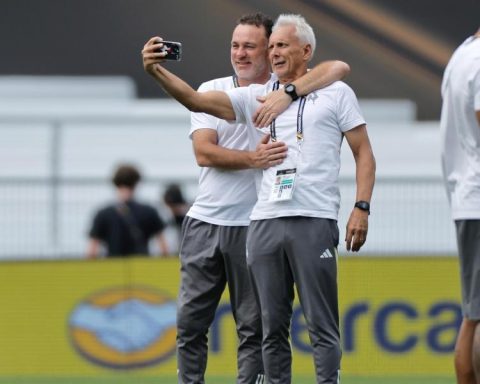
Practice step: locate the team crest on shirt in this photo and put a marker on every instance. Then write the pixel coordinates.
(312, 97)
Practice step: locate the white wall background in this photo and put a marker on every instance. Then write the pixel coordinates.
(57, 155)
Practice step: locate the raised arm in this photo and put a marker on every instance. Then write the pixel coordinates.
(209, 154)
(357, 226)
(322, 75)
(215, 103)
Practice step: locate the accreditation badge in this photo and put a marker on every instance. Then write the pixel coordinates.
(283, 185)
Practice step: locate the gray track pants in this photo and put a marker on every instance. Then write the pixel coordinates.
(300, 250)
(212, 256)
(468, 241)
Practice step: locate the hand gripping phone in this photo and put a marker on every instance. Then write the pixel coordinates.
(173, 49)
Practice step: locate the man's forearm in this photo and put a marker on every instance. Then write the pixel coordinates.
(215, 103)
(365, 176)
(266, 154)
(213, 155)
(177, 88)
(321, 76)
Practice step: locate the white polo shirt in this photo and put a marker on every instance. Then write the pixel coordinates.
(225, 197)
(460, 130)
(327, 113)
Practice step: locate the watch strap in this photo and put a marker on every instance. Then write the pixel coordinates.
(363, 205)
(291, 91)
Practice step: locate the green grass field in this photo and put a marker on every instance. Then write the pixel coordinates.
(216, 380)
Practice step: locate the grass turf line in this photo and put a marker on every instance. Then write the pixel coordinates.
(127, 379)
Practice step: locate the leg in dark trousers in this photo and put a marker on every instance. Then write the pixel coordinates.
(273, 285)
(202, 284)
(244, 306)
(312, 252)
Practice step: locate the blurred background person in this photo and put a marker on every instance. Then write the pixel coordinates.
(176, 209)
(460, 130)
(125, 227)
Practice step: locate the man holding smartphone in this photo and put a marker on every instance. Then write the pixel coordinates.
(214, 232)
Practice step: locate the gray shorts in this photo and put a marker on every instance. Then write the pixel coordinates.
(468, 240)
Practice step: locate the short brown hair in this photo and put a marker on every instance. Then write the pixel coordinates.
(126, 175)
(258, 19)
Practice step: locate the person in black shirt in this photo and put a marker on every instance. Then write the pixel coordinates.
(126, 226)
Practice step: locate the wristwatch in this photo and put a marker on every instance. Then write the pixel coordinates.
(363, 205)
(291, 91)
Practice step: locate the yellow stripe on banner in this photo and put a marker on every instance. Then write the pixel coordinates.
(399, 315)
(83, 318)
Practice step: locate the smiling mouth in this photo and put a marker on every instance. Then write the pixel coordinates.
(278, 63)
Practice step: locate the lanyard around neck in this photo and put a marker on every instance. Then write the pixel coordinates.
(301, 107)
(235, 81)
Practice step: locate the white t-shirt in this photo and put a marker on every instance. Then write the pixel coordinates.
(460, 130)
(225, 197)
(328, 113)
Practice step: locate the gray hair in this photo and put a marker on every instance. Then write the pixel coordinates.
(304, 31)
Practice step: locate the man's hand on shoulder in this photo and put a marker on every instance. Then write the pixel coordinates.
(273, 105)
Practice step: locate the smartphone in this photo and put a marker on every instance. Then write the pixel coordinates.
(173, 49)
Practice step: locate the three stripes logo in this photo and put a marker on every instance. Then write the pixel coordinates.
(326, 254)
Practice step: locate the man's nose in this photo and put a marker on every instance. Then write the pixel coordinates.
(241, 52)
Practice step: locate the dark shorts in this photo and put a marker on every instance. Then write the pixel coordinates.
(468, 240)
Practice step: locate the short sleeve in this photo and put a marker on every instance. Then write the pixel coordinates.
(239, 99)
(200, 120)
(349, 114)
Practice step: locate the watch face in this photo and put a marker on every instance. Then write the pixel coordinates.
(291, 90)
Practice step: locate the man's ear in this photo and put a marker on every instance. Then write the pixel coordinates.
(307, 52)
